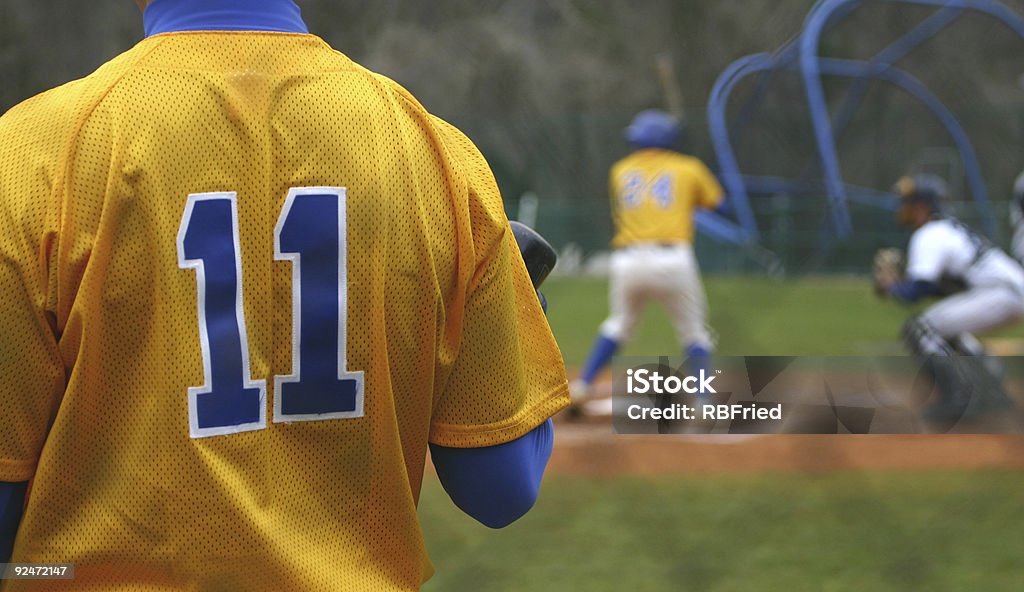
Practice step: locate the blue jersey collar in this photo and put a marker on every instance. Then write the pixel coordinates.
(170, 16)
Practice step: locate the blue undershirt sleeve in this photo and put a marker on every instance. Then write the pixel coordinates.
(496, 485)
(913, 290)
(12, 499)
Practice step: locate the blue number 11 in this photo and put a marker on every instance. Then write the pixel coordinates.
(311, 234)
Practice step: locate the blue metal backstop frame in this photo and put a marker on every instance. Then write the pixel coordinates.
(801, 55)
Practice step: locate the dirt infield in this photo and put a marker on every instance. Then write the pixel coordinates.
(592, 448)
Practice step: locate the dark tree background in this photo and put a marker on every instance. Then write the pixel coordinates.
(545, 86)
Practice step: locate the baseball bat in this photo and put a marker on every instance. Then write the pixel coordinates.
(538, 254)
(670, 86)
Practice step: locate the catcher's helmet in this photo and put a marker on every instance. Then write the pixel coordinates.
(1017, 205)
(929, 190)
(654, 129)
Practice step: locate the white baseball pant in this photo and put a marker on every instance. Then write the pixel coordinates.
(977, 310)
(667, 274)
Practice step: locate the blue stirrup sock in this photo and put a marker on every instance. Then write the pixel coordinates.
(601, 353)
(698, 358)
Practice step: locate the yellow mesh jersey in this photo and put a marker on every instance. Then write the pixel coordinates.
(100, 336)
(654, 194)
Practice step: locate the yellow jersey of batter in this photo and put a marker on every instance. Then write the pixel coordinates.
(160, 225)
(654, 195)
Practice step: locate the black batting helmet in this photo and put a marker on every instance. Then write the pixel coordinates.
(930, 190)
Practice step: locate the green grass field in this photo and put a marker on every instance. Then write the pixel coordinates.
(857, 532)
(839, 531)
(752, 316)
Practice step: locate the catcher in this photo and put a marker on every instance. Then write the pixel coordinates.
(979, 288)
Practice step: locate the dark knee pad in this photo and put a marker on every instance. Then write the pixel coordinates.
(938, 360)
(923, 340)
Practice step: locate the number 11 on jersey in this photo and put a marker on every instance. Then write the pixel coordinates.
(311, 234)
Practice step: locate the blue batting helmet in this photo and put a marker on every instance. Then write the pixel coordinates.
(654, 129)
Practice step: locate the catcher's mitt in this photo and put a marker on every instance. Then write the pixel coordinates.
(886, 270)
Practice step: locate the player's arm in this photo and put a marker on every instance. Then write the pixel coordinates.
(496, 485)
(925, 261)
(507, 379)
(32, 374)
(910, 290)
(499, 484)
(12, 500)
(710, 194)
(615, 194)
(494, 479)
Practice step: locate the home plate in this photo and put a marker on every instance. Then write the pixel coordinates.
(598, 407)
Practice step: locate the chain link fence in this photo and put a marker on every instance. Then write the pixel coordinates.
(553, 172)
